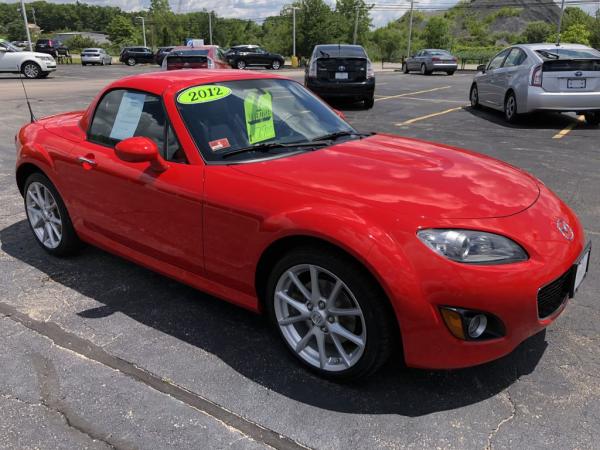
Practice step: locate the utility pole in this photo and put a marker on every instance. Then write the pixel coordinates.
(210, 27)
(410, 26)
(562, 13)
(143, 28)
(294, 30)
(26, 24)
(356, 23)
(33, 12)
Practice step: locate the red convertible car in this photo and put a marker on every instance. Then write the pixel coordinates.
(250, 188)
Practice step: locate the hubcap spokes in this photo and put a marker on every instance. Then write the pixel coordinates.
(43, 215)
(320, 318)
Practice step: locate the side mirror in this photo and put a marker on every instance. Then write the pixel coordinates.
(340, 114)
(141, 149)
(481, 68)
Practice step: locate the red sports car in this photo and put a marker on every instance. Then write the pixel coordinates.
(250, 188)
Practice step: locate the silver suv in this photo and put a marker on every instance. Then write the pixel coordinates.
(535, 77)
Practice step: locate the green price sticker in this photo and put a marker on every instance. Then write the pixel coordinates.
(203, 94)
(258, 109)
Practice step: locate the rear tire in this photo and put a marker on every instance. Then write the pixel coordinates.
(48, 218)
(369, 102)
(241, 64)
(510, 108)
(592, 118)
(405, 68)
(424, 70)
(131, 61)
(450, 72)
(371, 324)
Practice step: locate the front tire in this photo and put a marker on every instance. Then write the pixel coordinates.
(592, 118)
(510, 108)
(131, 61)
(276, 65)
(48, 217)
(474, 97)
(330, 313)
(31, 70)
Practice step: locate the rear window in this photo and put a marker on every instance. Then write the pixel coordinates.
(568, 53)
(343, 51)
(438, 53)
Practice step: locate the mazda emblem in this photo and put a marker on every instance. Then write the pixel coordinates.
(565, 229)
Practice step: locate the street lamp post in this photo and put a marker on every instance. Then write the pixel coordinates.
(294, 30)
(356, 23)
(24, 11)
(143, 28)
(210, 27)
(410, 27)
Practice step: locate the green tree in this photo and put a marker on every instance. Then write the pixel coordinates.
(345, 15)
(390, 41)
(595, 32)
(15, 31)
(536, 32)
(315, 24)
(437, 33)
(121, 31)
(575, 34)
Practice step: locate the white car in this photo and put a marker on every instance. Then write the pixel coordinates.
(30, 64)
(95, 56)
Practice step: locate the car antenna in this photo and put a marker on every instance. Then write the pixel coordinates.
(31, 116)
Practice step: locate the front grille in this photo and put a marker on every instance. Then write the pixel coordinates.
(553, 295)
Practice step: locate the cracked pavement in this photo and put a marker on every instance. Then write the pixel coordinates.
(96, 352)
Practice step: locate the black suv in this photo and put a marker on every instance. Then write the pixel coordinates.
(242, 56)
(341, 71)
(52, 47)
(161, 53)
(135, 55)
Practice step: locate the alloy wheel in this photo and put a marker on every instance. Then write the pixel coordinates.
(131, 62)
(474, 97)
(275, 65)
(241, 64)
(43, 215)
(423, 69)
(31, 70)
(320, 318)
(510, 107)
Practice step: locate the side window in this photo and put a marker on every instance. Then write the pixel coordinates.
(497, 60)
(122, 114)
(515, 58)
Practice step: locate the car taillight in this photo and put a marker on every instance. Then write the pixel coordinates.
(370, 71)
(312, 70)
(536, 76)
(435, 59)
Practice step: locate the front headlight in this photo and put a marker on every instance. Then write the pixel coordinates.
(472, 247)
(45, 58)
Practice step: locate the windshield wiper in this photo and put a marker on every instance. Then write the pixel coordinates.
(264, 147)
(337, 134)
(548, 54)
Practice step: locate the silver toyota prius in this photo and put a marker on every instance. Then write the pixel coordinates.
(535, 77)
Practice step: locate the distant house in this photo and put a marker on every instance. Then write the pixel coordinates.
(34, 29)
(100, 38)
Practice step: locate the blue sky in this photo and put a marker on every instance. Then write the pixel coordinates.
(255, 9)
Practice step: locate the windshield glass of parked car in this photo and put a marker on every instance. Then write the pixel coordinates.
(568, 53)
(9, 46)
(225, 117)
(341, 51)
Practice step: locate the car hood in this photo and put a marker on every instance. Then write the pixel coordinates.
(407, 176)
(34, 54)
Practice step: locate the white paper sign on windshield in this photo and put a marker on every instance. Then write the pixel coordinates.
(128, 116)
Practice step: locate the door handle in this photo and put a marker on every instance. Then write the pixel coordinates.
(84, 160)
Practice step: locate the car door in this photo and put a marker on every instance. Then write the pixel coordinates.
(126, 204)
(10, 60)
(509, 70)
(487, 83)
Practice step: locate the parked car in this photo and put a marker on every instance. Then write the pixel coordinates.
(52, 47)
(540, 77)
(341, 71)
(202, 57)
(351, 243)
(30, 64)
(23, 45)
(431, 60)
(136, 55)
(95, 56)
(161, 53)
(242, 56)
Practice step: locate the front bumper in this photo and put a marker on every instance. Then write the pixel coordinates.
(539, 99)
(509, 292)
(47, 66)
(338, 89)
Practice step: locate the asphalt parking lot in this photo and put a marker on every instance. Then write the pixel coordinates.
(96, 352)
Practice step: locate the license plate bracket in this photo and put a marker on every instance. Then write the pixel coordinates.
(341, 75)
(581, 269)
(576, 83)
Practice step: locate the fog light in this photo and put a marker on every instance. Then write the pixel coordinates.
(477, 325)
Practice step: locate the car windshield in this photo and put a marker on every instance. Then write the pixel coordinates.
(343, 51)
(9, 46)
(568, 53)
(255, 116)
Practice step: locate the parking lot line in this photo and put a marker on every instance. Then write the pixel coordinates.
(562, 133)
(428, 116)
(407, 94)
